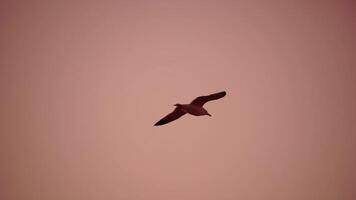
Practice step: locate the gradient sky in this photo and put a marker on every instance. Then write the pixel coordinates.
(83, 82)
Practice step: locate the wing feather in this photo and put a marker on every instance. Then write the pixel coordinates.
(200, 101)
(177, 113)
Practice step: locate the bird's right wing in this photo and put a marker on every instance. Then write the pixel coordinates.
(177, 113)
(200, 101)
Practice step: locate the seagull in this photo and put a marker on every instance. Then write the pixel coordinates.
(194, 108)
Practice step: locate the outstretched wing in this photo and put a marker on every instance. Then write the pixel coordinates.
(177, 113)
(200, 101)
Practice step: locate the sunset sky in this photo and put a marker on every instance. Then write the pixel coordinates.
(83, 82)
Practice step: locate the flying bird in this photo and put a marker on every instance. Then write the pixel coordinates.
(194, 108)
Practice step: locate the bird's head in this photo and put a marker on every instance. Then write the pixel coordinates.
(177, 104)
(206, 112)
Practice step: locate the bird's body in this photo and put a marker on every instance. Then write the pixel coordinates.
(194, 108)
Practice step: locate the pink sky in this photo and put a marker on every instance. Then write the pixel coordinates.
(82, 84)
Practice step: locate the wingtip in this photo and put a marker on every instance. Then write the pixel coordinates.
(159, 123)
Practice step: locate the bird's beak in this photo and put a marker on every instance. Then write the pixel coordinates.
(209, 114)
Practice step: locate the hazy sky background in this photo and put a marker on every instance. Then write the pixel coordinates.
(83, 82)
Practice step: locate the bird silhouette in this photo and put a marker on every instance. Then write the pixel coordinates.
(194, 108)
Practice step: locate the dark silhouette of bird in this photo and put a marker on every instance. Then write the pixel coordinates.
(194, 108)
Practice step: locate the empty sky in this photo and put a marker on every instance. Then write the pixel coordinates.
(83, 82)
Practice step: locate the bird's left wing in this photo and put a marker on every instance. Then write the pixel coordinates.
(177, 113)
